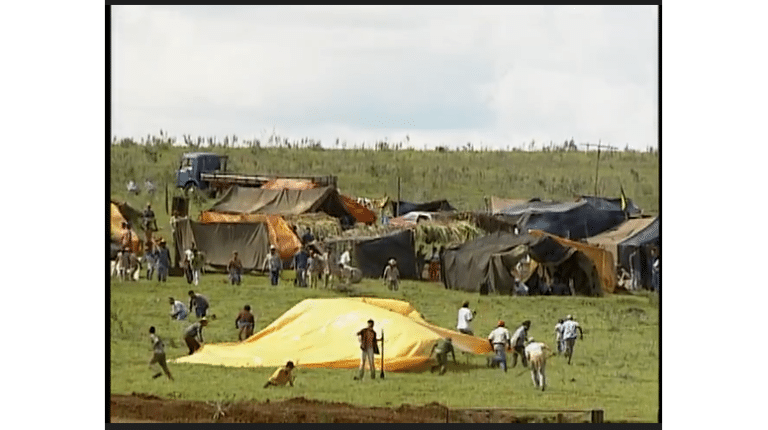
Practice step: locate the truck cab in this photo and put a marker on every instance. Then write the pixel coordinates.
(193, 164)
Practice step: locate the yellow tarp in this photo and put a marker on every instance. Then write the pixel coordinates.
(323, 333)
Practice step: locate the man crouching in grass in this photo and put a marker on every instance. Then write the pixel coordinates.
(281, 376)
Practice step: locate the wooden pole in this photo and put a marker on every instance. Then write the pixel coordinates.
(597, 166)
(397, 213)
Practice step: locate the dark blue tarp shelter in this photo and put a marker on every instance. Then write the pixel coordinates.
(402, 208)
(635, 252)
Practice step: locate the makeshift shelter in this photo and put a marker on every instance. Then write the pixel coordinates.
(635, 252)
(401, 207)
(610, 239)
(358, 211)
(218, 240)
(370, 254)
(573, 220)
(496, 204)
(489, 262)
(116, 230)
(323, 333)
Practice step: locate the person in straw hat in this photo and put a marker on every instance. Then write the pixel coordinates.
(392, 275)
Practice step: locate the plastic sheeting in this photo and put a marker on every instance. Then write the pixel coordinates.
(116, 229)
(323, 333)
(217, 241)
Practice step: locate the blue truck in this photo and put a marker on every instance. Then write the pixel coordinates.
(207, 171)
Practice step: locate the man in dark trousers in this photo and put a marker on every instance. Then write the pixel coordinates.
(245, 321)
(441, 350)
(193, 335)
(369, 346)
(158, 354)
(518, 343)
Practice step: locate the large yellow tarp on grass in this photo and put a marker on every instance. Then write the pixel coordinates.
(323, 333)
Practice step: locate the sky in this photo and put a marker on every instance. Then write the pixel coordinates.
(496, 76)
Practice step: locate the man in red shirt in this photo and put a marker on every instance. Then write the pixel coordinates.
(369, 345)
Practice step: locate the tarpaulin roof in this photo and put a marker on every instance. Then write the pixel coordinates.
(435, 206)
(280, 233)
(613, 204)
(610, 239)
(649, 235)
(289, 184)
(218, 240)
(116, 229)
(361, 213)
(372, 254)
(498, 203)
(323, 333)
(491, 259)
(251, 200)
(574, 220)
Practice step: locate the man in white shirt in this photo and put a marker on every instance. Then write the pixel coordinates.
(499, 340)
(465, 316)
(559, 335)
(518, 343)
(569, 335)
(536, 354)
(178, 309)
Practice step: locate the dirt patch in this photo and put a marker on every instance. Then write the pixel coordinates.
(138, 408)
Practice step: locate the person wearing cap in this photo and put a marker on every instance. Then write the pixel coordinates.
(500, 341)
(199, 303)
(282, 376)
(162, 261)
(518, 343)
(274, 264)
(569, 335)
(178, 309)
(392, 275)
(158, 355)
(441, 350)
(235, 269)
(245, 321)
(465, 316)
(536, 354)
(369, 345)
(193, 335)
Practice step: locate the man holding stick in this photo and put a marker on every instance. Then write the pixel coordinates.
(369, 346)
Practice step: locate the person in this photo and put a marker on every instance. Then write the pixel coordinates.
(282, 376)
(392, 275)
(441, 350)
(518, 343)
(150, 187)
(133, 188)
(434, 265)
(313, 269)
(536, 354)
(500, 341)
(307, 238)
(134, 266)
(559, 335)
(345, 259)
(569, 335)
(150, 256)
(123, 263)
(274, 264)
(301, 264)
(369, 345)
(126, 240)
(158, 355)
(245, 322)
(521, 289)
(198, 303)
(195, 263)
(148, 222)
(235, 269)
(655, 278)
(465, 316)
(193, 333)
(178, 310)
(163, 261)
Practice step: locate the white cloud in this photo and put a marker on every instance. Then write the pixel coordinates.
(500, 71)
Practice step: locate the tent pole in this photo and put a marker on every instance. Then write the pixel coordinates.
(397, 210)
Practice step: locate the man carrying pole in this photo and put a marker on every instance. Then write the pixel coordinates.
(369, 346)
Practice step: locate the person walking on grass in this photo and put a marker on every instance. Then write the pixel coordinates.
(301, 264)
(559, 336)
(441, 350)
(465, 316)
(158, 355)
(518, 343)
(569, 335)
(245, 321)
(369, 345)
(235, 269)
(500, 341)
(198, 303)
(282, 376)
(178, 310)
(392, 275)
(536, 354)
(162, 261)
(150, 258)
(193, 335)
(274, 264)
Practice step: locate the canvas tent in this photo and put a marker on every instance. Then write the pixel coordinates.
(370, 254)
(496, 204)
(248, 200)
(634, 252)
(491, 259)
(573, 220)
(610, 239)
(322, 333)
(217, 241)
(401, 208)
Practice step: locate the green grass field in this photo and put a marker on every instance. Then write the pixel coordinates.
(615, 367)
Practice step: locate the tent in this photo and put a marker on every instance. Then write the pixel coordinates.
(217, 241)
(610, 239)
(490, 261)
(370, 254)
(323, 333)
(573, 220)
(401, 208)
(497, 203)
(116, 230)
(635, 252)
